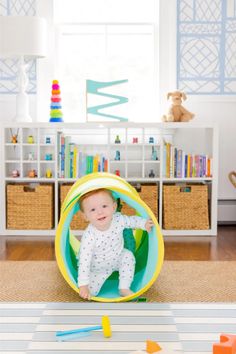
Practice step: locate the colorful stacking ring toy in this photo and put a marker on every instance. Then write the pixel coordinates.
(149, 249)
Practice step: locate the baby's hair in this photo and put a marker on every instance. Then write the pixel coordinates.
(96, 191)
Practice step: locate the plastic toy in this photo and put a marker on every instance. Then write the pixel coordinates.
(117, 140)
(30, 156)
(151, 174)
(152, 347)
(149, 248)
(15, 173)
(117, 172)
(117, 157)
(105, 327)
(30, 139)
(48, 173)
(14, 139)
(151, 140)
(227, 344)
(32, 173)
(48, 157)
(55, 113)
(154, 154)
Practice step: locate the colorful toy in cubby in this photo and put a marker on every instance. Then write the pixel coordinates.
(14, 139)
(117, 157)
(30, 139)
(56, 113)
(48, 173)
(15, 173)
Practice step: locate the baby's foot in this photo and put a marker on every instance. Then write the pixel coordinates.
(125, 292)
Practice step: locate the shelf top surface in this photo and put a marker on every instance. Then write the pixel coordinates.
(104, 125)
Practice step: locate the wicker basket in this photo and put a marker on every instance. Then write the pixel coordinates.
(149, 194)
(30, 207)
(78, 222)
(186, 207)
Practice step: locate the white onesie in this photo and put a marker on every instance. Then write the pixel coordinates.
(102, 253)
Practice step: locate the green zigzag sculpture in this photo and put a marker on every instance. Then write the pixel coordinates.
(93, 87)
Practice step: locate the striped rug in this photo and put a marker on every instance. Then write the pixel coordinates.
(178, 327)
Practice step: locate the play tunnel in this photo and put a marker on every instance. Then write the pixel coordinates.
(148, 248)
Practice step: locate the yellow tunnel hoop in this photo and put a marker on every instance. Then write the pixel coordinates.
(123, 190)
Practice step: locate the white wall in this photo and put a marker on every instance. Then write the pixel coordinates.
(207, 109)
(224, 113)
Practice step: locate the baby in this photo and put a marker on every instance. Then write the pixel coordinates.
(102, 246)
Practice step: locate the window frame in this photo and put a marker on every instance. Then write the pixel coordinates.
(46, 73)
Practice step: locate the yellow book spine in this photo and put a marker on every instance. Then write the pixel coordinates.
(188, 165)
(95, 163)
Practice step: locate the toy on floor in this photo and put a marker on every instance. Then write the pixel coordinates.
(227, 344)
(105, 326)
(149, 248)
(151, 348)
(154, 348)
(177, 113)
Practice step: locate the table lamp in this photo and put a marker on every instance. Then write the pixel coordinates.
(22, 37)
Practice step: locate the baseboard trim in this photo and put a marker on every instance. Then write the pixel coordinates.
(226, 211)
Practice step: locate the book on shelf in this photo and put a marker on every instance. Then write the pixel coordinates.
(180, 164)
(74, 163)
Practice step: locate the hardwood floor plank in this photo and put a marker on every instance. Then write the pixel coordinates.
(221, 248)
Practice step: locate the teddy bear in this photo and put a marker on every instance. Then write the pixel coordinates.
(177, 113)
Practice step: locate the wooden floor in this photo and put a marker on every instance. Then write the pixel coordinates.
(222, 247)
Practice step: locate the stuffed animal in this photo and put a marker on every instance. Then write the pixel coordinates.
(177, 113)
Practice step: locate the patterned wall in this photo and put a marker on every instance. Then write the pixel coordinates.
(9, 67)
(206, 46)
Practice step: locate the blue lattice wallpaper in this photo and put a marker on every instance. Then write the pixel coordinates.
(206, 46)
(8, 67)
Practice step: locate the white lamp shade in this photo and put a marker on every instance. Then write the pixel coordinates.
(22, 36)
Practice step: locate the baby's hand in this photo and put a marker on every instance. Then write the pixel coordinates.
(84, 292)
(149, 224)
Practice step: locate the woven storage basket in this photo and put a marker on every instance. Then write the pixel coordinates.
(30, 207)
(78, 222)
(186, 207)
(149, 194)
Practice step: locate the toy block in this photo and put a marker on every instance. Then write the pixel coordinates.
(152, 347)
(227, 344)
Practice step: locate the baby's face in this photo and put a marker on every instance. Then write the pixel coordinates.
(99, 209)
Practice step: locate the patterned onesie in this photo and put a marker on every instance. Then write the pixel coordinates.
(102, 253)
